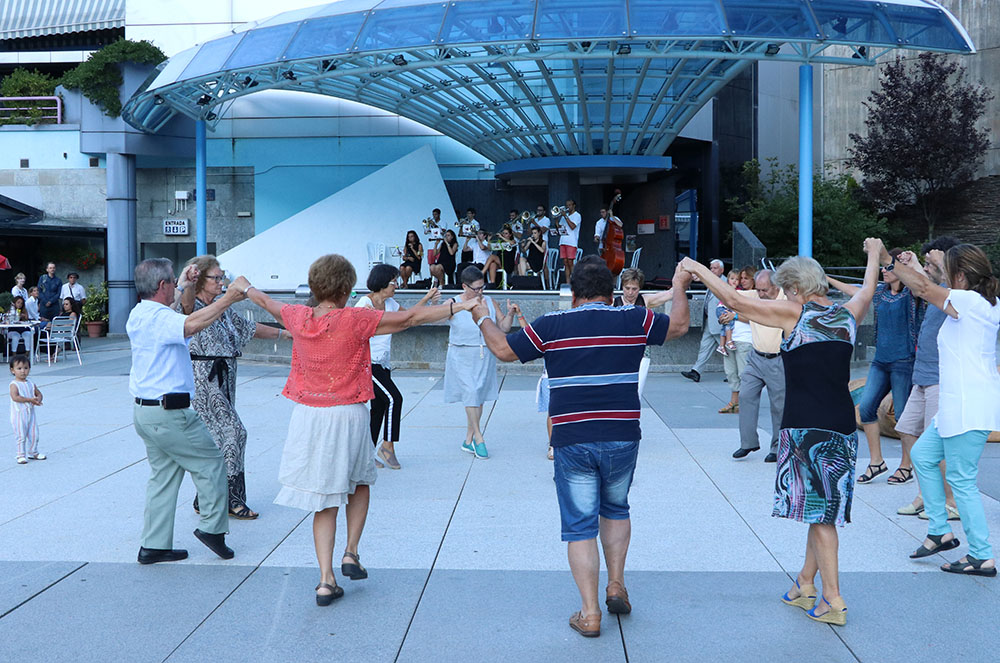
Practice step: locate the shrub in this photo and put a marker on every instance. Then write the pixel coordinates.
(24, 83)
(100, 77)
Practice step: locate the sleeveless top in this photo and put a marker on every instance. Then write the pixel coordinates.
(446, 259)
(817, 361)
(463, 329)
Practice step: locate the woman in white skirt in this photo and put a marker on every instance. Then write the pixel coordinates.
(470, 371)
(328, 460)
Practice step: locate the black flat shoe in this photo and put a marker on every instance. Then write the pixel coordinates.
(771, 458)
(973, 566)
(326, 599)
(692, 375)
(353, 571)
(743, 453)
(156, 555)
(939, 546)
(216, 543)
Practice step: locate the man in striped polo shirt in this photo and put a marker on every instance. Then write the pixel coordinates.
(592, 354)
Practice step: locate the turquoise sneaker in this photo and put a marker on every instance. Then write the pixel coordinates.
(481, 452)
(467, 447)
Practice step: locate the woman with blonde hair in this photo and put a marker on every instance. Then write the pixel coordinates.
(818, 441)
(214, 353)
(328, 460)
(969, 401)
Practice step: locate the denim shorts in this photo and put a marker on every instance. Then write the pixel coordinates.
(593, 479)
(542, 394)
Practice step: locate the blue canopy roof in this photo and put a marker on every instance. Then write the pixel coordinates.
(517, 79)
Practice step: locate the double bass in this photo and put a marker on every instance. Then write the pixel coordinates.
(614, 236)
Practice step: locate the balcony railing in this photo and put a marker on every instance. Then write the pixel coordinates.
(30, 110)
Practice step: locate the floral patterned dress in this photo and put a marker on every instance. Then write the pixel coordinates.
(818, 442)
(214, 351)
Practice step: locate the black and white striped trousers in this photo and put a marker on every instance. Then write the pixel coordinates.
(386, 407)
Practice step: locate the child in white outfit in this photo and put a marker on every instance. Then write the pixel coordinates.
(24, 396)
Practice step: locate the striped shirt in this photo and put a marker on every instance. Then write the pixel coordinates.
(592, 355)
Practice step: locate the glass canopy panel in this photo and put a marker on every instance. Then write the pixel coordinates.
(788, 19)
(299, 15)
(488, 20)
(402, 27)
(856, 22)
(681, 18)
(211, 56)
(580, 19)
(325, 36)
(923, 27)
(261, 46)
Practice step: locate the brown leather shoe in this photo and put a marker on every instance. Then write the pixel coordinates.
(617, 600)
(588, 627)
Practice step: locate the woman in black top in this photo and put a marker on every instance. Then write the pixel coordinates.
(505, 258)
(533, 255)
(444, 269)
(413, 255)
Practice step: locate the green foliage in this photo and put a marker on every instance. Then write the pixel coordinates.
(24, 83)
(5, 300)
(769, 205)
(96, 307)
(100, 77)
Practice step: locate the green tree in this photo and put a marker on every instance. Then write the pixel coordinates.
(769, 205)
(923, 136)
(24, 83)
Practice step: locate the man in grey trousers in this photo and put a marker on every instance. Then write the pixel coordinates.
(710, 328)
(764, 369)
(162, 384)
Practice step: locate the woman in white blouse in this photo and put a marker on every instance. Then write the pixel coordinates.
(969, 405)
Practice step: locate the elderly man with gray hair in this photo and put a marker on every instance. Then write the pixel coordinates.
(764, 369)
(162, 383)
(710, 328)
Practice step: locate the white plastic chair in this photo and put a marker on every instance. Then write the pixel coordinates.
(552, 266)
(635, 264)
(376, 254)
(559, 266)
(60, 332)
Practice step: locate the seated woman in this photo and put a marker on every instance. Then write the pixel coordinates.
(17, 335)
(68, 308)
(533, 254)
(444, 269)
(504, 259)
(413, 256)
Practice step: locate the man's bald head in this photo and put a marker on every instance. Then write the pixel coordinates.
(765, 286)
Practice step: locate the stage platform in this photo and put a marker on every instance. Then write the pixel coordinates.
(425, 347)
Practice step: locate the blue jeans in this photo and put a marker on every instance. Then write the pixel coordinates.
(961, 454)
(883, 376)
(593, 479)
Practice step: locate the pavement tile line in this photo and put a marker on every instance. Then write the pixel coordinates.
(234, 590)
(44, 589)
(749, 527)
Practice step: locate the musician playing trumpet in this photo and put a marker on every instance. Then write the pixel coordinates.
(569, 239)
(602, 226)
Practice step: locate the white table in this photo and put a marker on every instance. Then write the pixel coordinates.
(33, 325)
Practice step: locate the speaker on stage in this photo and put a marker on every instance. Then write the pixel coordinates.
(517, 282)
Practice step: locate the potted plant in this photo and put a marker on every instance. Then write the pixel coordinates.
(95, 309)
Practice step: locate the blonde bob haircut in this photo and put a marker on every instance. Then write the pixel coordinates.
(801, 275)
(203, 263)
(633, 275)
(331, 277)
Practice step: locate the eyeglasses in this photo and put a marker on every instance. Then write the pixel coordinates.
(217, 279)
(479, 289)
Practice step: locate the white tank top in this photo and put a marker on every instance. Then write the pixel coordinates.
(464, 330)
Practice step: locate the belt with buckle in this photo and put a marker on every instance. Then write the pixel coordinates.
(179, 401)
(767, 355)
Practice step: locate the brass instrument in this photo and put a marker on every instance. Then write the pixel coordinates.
(557, 210)
(526, 216)
(428, 224)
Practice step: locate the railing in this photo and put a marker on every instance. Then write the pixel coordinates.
(28, 114)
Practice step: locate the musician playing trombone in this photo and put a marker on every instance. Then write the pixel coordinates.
(567, 217)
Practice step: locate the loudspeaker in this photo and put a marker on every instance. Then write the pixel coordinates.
(422, 284)
(517, 282)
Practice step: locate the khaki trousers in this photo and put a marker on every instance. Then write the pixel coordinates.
(178, 442)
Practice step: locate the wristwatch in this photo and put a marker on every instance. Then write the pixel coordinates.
(480, 321)
(892, 265)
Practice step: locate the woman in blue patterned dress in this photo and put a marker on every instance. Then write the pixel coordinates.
(818, 443)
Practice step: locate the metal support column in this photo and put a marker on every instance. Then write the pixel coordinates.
(805, 160)
(122, 248)
(200, 188)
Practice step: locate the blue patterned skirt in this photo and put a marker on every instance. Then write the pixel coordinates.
(815, 481)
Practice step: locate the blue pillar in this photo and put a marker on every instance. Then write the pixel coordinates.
(805, 160)
(200, 186)
(121, 197)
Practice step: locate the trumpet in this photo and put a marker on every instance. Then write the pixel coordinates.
(558, 210)
(526, 216)
(428, 223)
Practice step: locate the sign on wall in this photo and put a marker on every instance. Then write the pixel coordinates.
(175, 227)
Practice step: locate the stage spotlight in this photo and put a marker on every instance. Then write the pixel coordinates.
(204, 100)
(399, 60)
(772, 49)
(158, 100)
(862, 52)
(328, 65)
(584, 44)
(211, 116)
(249, 82)
(289, 75)
(624, 49)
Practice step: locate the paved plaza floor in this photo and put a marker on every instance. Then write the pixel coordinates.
(464, 555)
